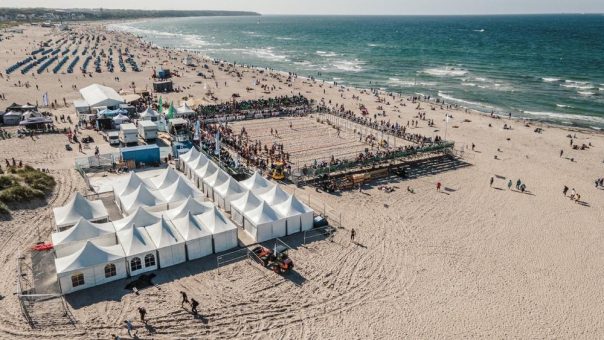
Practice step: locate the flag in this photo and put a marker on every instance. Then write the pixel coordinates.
(197, 127)
(447, 117)
(171, 111)
(45, 99)
(160, 107)
(217, 138)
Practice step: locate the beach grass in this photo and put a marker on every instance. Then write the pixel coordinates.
(21, 185)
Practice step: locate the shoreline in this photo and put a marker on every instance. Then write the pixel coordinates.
(527, 119)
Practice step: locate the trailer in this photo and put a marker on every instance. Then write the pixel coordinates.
(147, 130)
(113, 137)
(128, 134)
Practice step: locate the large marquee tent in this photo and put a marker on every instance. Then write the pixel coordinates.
(197, 236)
(169, 243)
(141, 197)
(210, 182)
(224, 233)
(226, 192)
(140, 218)
(77, 208)
(257, 183)
(68, 241)
(263, 223)
(297, 215)
(140, 251)
(246, 202)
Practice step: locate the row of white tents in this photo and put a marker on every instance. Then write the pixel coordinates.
(161, 192)
(90, 254)
(261, 207)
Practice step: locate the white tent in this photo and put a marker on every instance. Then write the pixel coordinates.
(184, 110)
(31, 114)
(169, 243)
(77, 208)
(297, 215)
(263, 223)
(188, 156)
(274, 196)
(68, 241)
(195, 164)
(140, 218)
(139, 249)
(91, 265)
(257, 183)
(98, 95)
(214, 180)
(132, 183)
(198, 238)
(205, 171)
(165, 179)
(149, 114)
(246, 202)
(226, 192)
(191, 205)
(179, 191)
(224, 233)
(119, 119)
(141, 197)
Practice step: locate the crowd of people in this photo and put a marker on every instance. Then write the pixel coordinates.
(287, 104)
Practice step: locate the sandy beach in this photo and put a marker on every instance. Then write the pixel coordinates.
(469, 261)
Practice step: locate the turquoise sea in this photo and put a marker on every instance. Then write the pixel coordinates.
(547, 67)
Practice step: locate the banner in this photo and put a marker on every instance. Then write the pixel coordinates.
(45, 99)
(217, 149)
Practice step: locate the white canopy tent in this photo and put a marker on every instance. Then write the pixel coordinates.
(246, 202)
(298, 216)
(149, 114)
(179, 191)
(68, 241)
(131, 183)
(198, 238)
(91, 265)
(214, 180)
(188, 156)
(165, 179)
(140, 218)
(207, 170)
(257, 183)
(226, 192)
(79, 207)
(141, 197)
(263, 223)
(191, 205)
(224, 233)
(195, 164)
(169, 243)
(274, 196)
(98, 95)
(184, 110)
(119, 119)
(139, 249)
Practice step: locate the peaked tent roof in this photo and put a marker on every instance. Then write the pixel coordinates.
(275, 195)
(88, 256)
(83, 230)
(228, 188)
(198, 162)
(140, 218)
(216, 221)
(257, 183)
(189, 155)
(207, 170)
(98, 95)
(140, 197)
(291, 207)
(79, 207)
(178, 191)
(191, 205)
(135, 240)
(149, 112)
(132, 183)
(262, 214)
(217, 178)
(184, 109)
(120, 117)
(165, 179)
(163, 235)
(191, 228)
(246, 202)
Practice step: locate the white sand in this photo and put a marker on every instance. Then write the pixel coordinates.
(471, 262)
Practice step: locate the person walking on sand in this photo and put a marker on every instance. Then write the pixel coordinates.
(353, 233)
(185, 299)
(561, 153)
(565, 190)
(438, 185)
(129, 327)
(491, 181)
(518, 183)
(194, 305)
(142, 311)
(510, 184)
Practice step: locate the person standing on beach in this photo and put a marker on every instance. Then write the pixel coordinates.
(185, 299)
(142, 311)
(491, 181)
(438, 185)
(129, 327)
(510, 184)
(565, 190)
(353, 233)
(518, 183)
(561, 153)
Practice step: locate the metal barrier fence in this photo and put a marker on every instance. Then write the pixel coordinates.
(231, 257)
(327, 232)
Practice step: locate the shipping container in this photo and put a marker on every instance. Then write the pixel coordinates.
(147, 154)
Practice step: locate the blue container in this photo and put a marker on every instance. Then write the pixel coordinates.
(148, 154)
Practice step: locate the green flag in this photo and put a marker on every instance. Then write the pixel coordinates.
(160, 107)
(171, 111)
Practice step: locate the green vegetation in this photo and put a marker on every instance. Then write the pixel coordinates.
(22, 185)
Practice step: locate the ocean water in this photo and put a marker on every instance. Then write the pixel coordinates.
(548, 67)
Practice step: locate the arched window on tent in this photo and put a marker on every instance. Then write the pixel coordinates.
(149, 260)
(110, 270)
(77, 280)
(135, 264)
